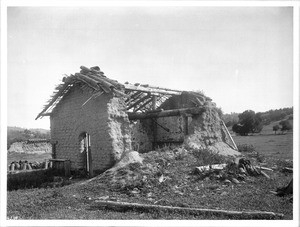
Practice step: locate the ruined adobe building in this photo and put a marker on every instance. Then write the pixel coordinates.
(94, 120)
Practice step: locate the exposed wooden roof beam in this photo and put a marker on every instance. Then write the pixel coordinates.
(139, 101)
(54, 98)
(165, 113)
(133, 95)
(152, 90)
(143, 105)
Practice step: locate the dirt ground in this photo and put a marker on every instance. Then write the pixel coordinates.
(170, 180)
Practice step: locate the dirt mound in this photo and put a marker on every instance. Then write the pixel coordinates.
(32, 148)
(217, 147)
(148, 170)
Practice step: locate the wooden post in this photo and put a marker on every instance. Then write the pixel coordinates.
(67, 168)
(228, 133)
(186, 125)
(154, 130)
(154, 123)
(54, 149)
(154, 98)
(89, 156)
(91, 172)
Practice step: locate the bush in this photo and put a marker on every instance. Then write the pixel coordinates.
(245, 148)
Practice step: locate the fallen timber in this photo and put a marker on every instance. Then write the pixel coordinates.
(165, 113)
(123, 206)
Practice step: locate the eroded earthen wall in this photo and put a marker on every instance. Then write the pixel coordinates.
(148, 133)
(119, 127)
(105, 123)
(170, 129)
(205, 129)
(200, 131)
(142, 135)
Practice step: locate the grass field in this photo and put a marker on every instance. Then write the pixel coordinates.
(278, 146)
(74, 201)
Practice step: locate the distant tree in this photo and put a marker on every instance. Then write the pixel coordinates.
(276, 115)
(229, 123)
(249, 122)
(285, 125)
(23, 135)
(236, 128)
(258, 123)
(276, 128)
(27, 132)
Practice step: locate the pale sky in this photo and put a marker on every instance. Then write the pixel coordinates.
(241, 57)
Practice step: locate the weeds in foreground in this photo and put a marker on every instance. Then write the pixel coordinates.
(207, 157)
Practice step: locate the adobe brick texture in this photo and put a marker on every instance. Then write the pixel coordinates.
(103, 118)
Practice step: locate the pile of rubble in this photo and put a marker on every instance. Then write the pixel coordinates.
(234, 172)
(137, 170)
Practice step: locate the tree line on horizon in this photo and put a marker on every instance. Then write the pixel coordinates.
(20, 135)
(241, 123)
(251, 122)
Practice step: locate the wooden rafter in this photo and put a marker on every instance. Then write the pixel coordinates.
(138, 97)
(152, 90)
(143, 105)
(54, 98)
(134, 96)
(139, 101)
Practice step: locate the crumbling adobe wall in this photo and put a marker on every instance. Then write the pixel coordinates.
(203, 131)
(119, 127)
(172, 129)
(141, 135)
(103, 118)
(206, 130)
(164, 130)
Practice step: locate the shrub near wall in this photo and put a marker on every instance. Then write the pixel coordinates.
(28, 179)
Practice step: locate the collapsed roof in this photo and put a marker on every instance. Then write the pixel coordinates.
(139, 97)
